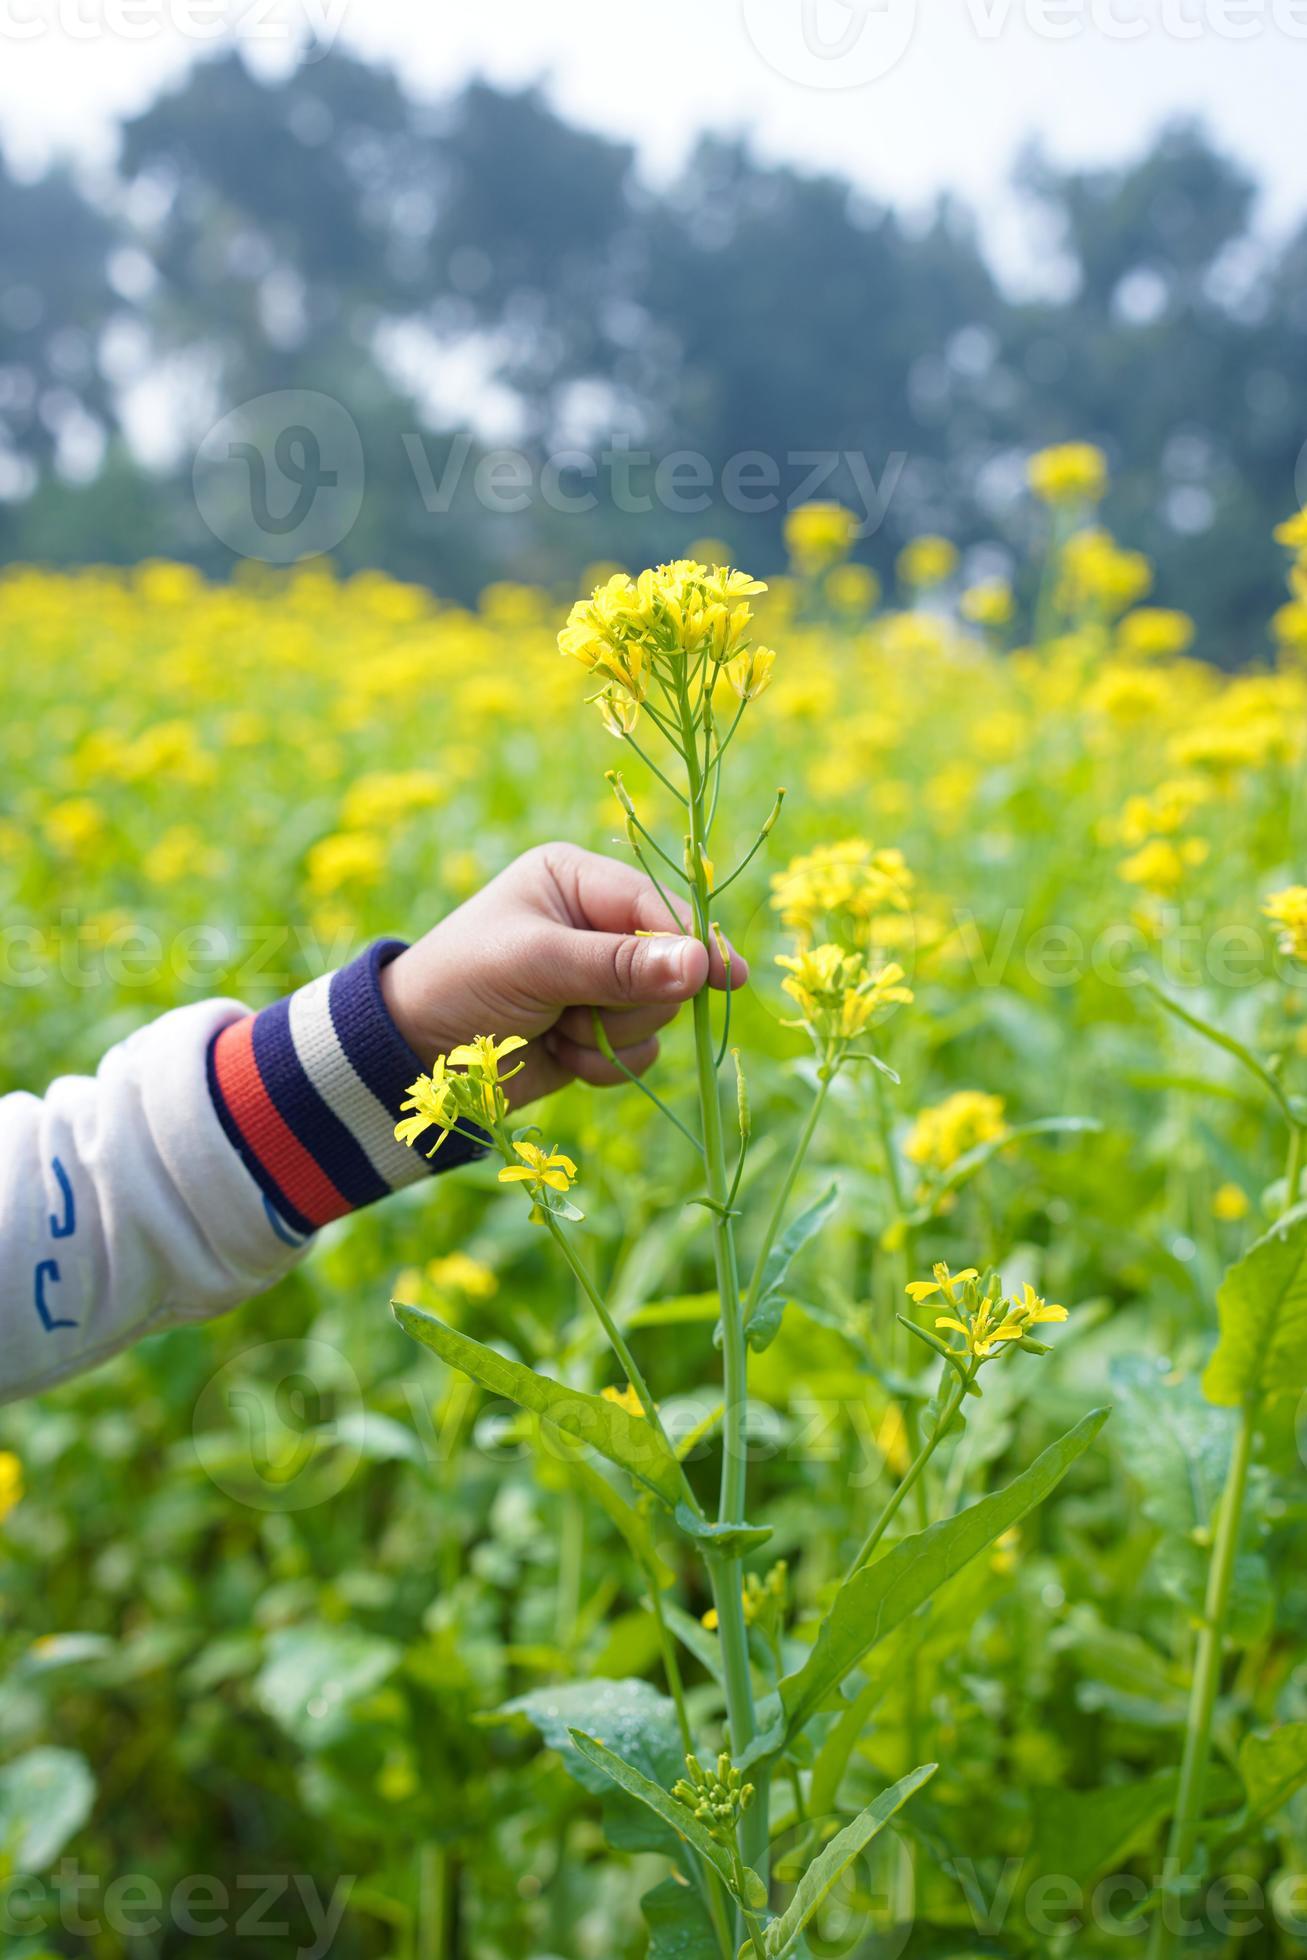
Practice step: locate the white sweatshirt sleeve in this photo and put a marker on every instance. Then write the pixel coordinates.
(191, 1171)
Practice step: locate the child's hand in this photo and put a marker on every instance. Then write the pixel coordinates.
(546, 940)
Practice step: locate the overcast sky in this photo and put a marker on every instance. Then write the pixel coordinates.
(906, 96)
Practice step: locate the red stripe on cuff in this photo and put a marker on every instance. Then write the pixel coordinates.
(267, 1136)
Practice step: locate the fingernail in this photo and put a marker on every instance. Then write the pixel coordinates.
(666, 964)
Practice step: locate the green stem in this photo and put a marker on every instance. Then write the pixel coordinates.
(1294, 1170)
(911, 1477)
(725, 1573)
(710, 1886)
(432, 1912)
(610, 1054)
(1210, 1654)
(1207, 1674)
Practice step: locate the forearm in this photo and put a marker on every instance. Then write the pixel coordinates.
(192, 1171)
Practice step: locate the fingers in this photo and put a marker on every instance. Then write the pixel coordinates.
(624, 1027)
(594, 1068)
(599, 895)
(605, 969)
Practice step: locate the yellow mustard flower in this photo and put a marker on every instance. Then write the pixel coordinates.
(434, 1101)
(1287, 909)
(818, 535)
(837, 995)
(853, 589)
(986, 1318)
(11, 1483)
(1160, 866)
(1155, 633)
(927, 561)
(1293, 533)
(540, 1168)
(347, 859)
(1069, 473)
(622, 1398)
(1230, 1203)
(458, 1272)
(989, 604)
(750, 673)
(628, 630)
(840, 888)
(946, 1131)
(1097, 575)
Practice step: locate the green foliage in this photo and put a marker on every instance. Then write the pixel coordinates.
(628, 1441)
(764, 1322)
(830, 1864)
(1263, 1305)
(45, 1798)
(880, 1597)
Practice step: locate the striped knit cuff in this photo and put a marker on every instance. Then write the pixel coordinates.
(308, 1092)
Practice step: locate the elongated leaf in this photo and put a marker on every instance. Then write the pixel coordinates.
(696, 1639)
(827, 1868)
(627, 1440)
(1273, 1767)
(881, 1596)
(1263, 1305)
(659, 1801)
(682, 1310)
(1080, 1834)
(632, 1524)
(765, 1321)
(1221, 1039)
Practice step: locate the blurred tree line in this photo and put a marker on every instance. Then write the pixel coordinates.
(433, 267)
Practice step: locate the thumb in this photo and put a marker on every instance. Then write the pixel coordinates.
(609, 969)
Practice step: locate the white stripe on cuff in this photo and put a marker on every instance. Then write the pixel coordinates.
(337, 1081)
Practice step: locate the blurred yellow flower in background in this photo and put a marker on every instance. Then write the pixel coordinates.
(1069, 473)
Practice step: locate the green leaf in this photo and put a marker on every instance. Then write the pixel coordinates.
(1173, 1443)
(631, 1714)
(726, 1540)
(45, 1797)
(631, 1523)
(682, 1310)
(696, 1639)
(678, 1922)
(764, 1322)
(1083, 1833)
(660, 1802)
(1263, 1306)
(1253, 1063)
(630, 1441)
(1273, 1766)
(827, 1868)
(881, 1596)
(312, 1675)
